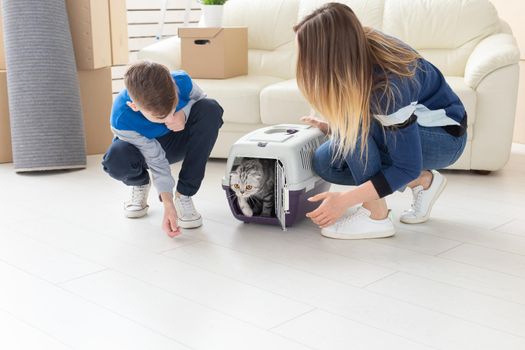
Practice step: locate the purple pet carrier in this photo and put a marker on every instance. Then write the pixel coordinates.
(292, 147)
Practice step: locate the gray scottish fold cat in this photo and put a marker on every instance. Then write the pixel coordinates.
(253, 184)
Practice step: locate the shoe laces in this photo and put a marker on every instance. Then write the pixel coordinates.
(138, 194)
(352, 217)
(417, 192)
(187, 204)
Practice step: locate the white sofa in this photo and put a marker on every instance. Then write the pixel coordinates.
(474, 49)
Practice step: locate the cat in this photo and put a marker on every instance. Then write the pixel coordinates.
(253, 184)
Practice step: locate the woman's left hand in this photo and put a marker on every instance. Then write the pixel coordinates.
(331, 209)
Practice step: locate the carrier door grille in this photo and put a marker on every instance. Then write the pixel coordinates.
(307, 153)
(281, 194)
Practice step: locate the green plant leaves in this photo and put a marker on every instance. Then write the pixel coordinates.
(213, 2)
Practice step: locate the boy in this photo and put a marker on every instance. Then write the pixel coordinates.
(159, 119)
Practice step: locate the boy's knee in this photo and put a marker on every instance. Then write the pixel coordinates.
(212, 111)
(119, 157)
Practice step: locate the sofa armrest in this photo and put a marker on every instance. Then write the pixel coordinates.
(166, 52)
(492, 53)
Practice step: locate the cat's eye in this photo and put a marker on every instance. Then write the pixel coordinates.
(249, 187)
(236, 186)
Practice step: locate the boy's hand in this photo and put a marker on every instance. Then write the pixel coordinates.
(176, 121)
(317, 123)
(169, 222)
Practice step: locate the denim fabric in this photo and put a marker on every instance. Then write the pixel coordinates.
(439, 150)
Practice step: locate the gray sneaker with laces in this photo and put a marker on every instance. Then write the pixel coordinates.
(357, 224)
(424, 200)
(137, 206)
(188, 216)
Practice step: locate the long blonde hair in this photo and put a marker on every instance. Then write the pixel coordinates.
(337, 67)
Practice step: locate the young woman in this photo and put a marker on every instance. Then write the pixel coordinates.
(391, 117)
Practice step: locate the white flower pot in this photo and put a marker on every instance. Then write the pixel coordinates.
(212, 15)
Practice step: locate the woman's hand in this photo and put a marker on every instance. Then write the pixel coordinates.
(334, 205)
(317, 123)
(176, 121)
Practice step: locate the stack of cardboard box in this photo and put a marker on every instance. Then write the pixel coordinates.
(100, 40)
(5, 131)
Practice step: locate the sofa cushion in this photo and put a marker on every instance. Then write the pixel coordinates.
(441, 24)
(270, 22)
(443, 31)
(370, 12)
(447, 30)
(238, 96)
(283, 103)
(277, 63)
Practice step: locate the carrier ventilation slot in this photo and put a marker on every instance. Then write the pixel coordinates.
(307, 153)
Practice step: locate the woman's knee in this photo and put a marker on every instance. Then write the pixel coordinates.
(330, 169)
(322, 160)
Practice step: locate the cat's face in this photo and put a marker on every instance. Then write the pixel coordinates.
(245, 183)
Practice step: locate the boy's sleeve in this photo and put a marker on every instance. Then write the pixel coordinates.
(155, 158)
(196, 94)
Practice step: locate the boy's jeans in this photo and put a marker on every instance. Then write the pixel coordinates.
(439, 150)
(193, 145)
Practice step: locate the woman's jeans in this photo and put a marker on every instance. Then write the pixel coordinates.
(439, 150)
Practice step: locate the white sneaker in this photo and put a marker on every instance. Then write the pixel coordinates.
(137, 206)
(186, 212)
(359, 225)
(424, 200)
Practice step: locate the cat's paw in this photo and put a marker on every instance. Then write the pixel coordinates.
(247, 211)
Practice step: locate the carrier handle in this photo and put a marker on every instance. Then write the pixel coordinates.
(201, 42)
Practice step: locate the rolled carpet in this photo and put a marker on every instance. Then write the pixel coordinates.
(44, 97)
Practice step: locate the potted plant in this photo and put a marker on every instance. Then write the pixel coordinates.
(212, 12)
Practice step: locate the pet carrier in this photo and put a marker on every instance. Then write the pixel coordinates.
(292, 147)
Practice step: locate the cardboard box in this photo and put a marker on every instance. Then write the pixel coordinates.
(2, 54)
(90, 31)
(97, 99)
(118, 19)
(214, 53)
(6, 154)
